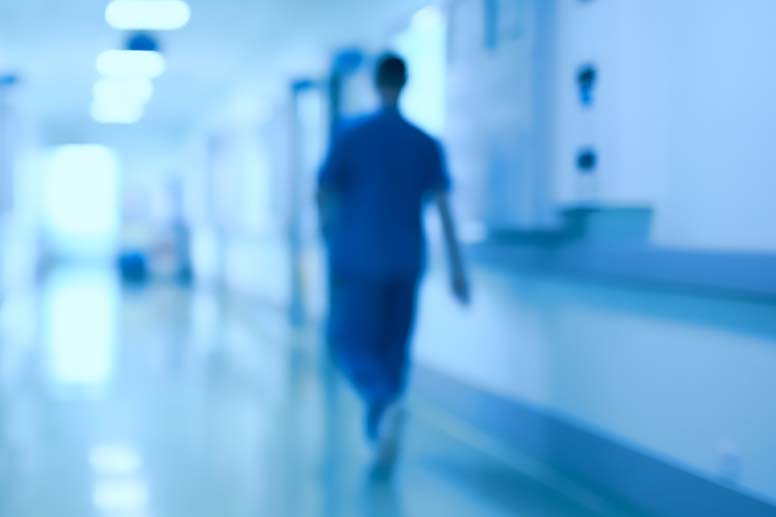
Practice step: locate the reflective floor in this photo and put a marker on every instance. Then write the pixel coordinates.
(169, 403)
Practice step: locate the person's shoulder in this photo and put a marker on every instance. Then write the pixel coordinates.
(350, 130)
(422, 136)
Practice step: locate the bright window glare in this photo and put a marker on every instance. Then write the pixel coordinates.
(81, 198)
(429, 18)
(147, 14)
(424, 44)
(131, 64)
(132, 91)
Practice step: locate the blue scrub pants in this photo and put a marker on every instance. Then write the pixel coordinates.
(369, 329)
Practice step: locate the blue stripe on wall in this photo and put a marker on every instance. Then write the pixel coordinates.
(655, 486)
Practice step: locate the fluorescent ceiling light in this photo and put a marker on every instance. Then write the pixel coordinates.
(159, 15)
(115, 112)
(133, 91)
(131, 63)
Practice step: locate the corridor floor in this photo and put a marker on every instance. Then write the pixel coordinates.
(164, 402)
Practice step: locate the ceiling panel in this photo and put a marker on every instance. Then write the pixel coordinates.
(53, 44)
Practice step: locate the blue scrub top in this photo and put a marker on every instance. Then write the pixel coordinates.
(382, 169)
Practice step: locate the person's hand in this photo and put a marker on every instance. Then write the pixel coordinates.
(459, 284)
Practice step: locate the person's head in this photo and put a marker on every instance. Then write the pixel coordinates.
(390, 78)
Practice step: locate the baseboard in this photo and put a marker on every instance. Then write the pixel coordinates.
(655, 486)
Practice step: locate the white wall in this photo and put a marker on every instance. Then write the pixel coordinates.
(683, 119)
(491, 107)
(718, 188)
(592, 33)
(237, 202)
(680, 377)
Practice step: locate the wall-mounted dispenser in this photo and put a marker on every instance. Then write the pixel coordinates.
(587, 79)
(587, 160)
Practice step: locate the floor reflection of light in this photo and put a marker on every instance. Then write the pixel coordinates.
(121, 497)
(120, 488)
(80, 323)
(114, 460)
(206, 319)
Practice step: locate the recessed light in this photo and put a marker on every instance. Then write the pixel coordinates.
(133, 91)
(157, 15)
(116, 112)
(131, 63)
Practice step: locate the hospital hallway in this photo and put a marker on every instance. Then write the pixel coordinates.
(563, 208)
(168, 402)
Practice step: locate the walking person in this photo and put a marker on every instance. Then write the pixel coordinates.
(378, 177)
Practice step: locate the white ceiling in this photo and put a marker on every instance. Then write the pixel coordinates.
(53, 45)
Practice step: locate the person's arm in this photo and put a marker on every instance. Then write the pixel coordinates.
(459, 281)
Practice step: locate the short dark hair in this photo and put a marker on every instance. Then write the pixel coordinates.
(391, 71)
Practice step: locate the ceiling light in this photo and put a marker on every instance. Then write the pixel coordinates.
(114, 112)
(133, 91)
(131, 63)
(157, 15)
